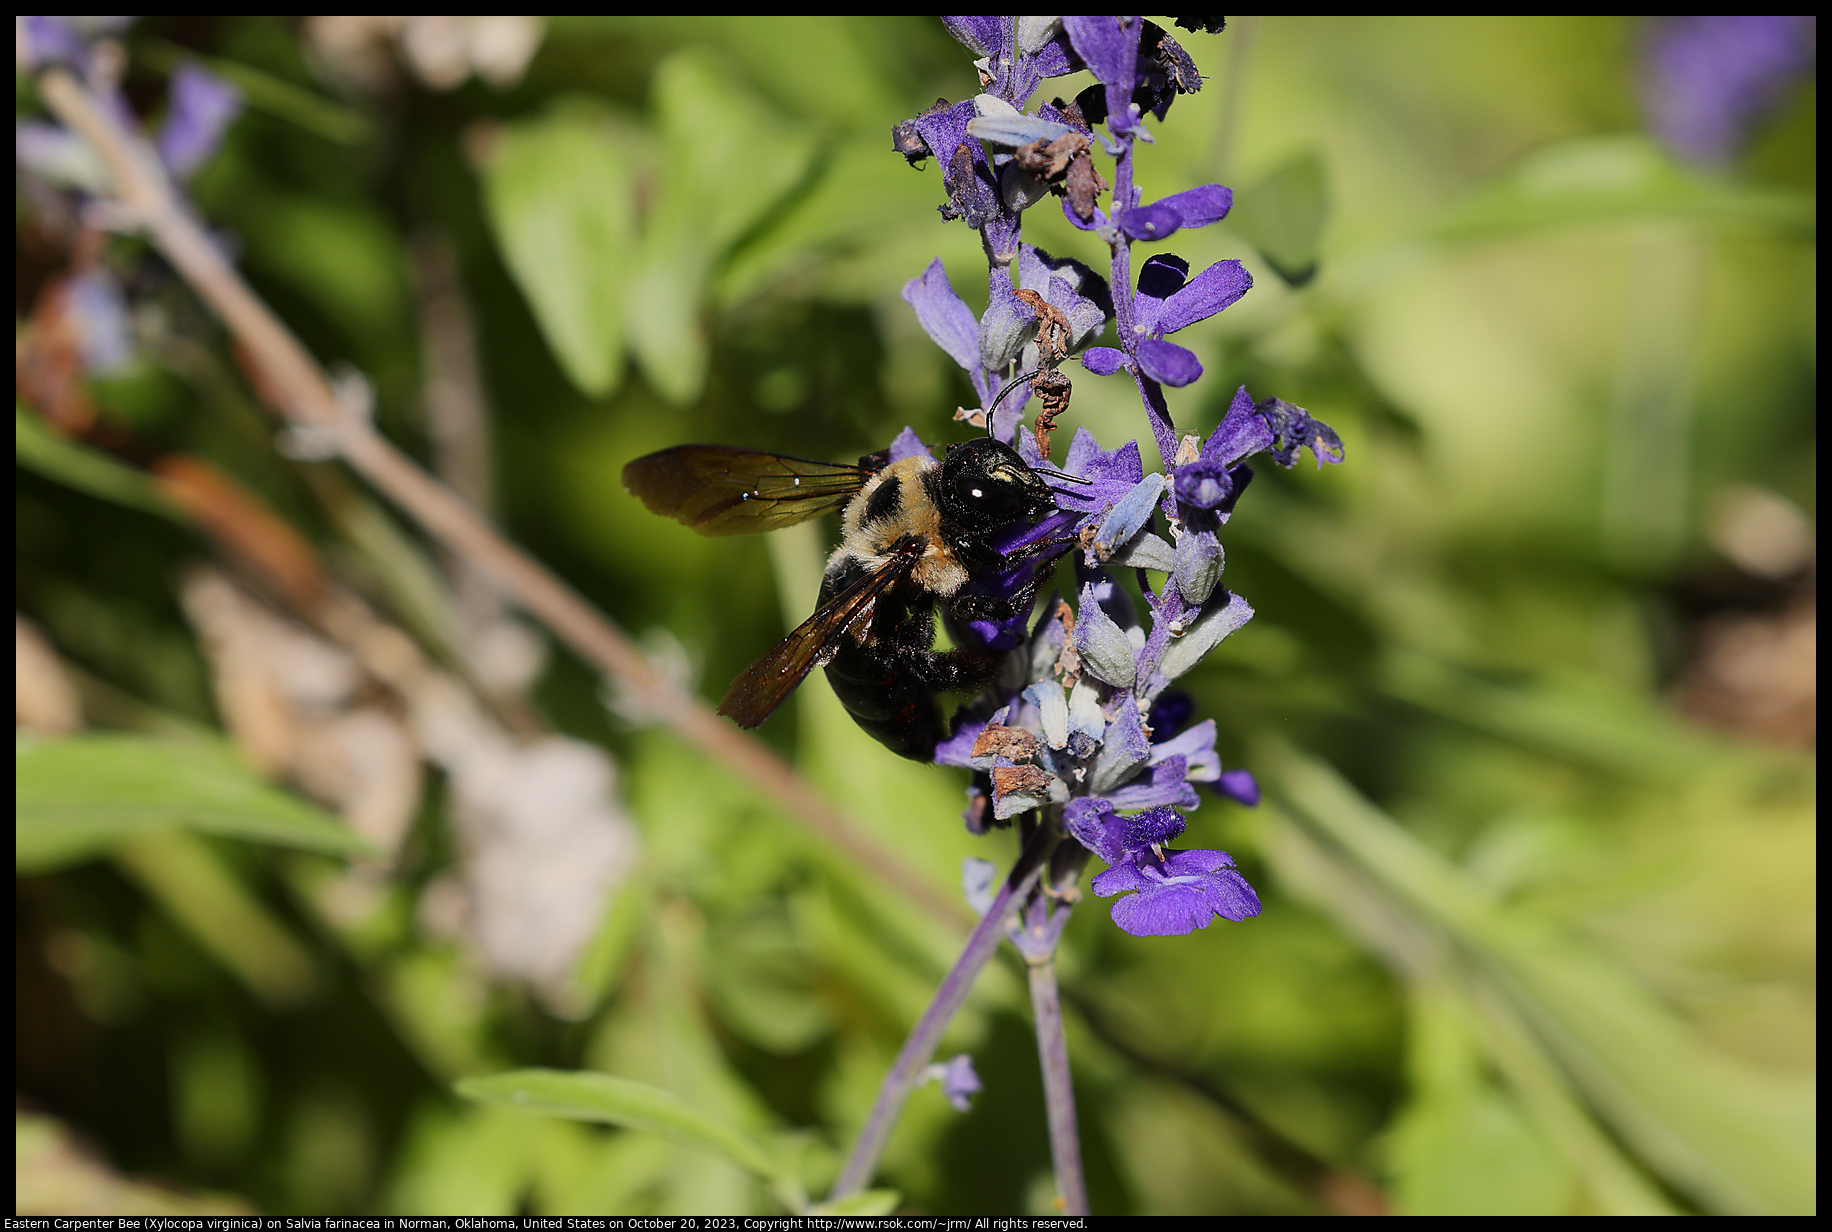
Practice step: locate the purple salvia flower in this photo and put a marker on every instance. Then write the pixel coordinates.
(946, 319)
(44, 41)
(1195, 207)
(1239, 785)
(1294, 430)
(1109, 46)
(1164, 304)
(1071, 286)
(983, 36)
(1072, 734)
(1177, 892)
(1015, 54)
(1211, 481)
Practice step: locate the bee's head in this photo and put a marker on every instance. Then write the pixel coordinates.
(984, 483)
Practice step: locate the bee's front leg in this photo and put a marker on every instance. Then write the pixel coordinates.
(999, 610)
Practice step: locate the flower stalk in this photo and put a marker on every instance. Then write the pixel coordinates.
(1085, 744)
(913, 1058)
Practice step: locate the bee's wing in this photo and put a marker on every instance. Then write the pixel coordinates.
(767, 683)
(718, 490)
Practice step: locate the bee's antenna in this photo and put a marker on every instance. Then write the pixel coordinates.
(1009, 386)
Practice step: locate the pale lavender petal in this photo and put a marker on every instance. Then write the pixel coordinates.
(1123, 751)
(1197, 746)
(909, 445)
(1007, 325)
(1199, 564)
(1132, 511)
(1105, 649)
(1167, 784)
(944, 316)
(1015, 129)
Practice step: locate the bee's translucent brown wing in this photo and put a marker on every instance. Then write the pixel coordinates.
(719, 490)
(767, 683)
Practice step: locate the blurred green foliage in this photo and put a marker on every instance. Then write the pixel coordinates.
(1534, 940)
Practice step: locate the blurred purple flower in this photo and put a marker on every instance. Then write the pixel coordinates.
(1709, 80)
(96, 308)
(959, 1082)
(201, 107)
(43, 41)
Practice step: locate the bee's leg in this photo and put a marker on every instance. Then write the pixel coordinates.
(997, 610)
(1042, 546)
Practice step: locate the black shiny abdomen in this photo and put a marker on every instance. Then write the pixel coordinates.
(886, 699)
(877, 680)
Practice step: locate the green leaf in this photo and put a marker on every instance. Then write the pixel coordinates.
(1603, 179)
(1283, 214)
(1586, 725)
(266, 93)
(88, 470)
(1462, 1145)
(861, 1202)
(343, 256)
(199, 890)
(1736, 1139)
(559, 193)
(82, 796)
(731, 160)
(586, 1096)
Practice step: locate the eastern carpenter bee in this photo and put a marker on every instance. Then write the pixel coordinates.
(917, 532)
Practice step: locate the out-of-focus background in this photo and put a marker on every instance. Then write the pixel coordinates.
(1530, 690)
